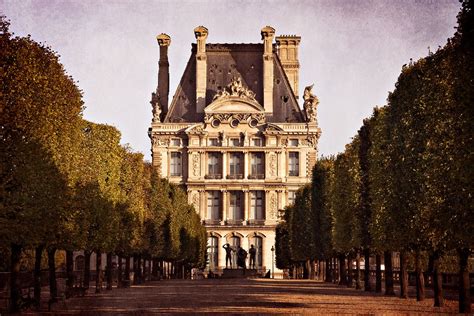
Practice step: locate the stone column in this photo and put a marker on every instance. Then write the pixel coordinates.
(225, 215)
(246, 164)
(224, 164)
(203, 159)
(246, 206)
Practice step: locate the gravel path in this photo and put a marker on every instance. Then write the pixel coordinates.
(235, 296)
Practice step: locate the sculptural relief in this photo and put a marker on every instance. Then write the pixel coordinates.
(273, 165)
(310, 104)
(195, 200)
(196, 160)
(235, 89)
(273, 206)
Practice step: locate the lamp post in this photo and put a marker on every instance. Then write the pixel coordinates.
(273, 261)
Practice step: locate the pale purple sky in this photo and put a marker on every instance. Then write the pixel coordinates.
(352, 50)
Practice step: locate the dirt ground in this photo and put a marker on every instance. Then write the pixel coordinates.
(242, 296)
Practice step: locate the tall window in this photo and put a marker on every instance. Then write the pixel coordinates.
(235, 205)
(257, 242)
(294, 165)
(235, 165)
(214, 165)
(212, 252)
(175, 165)
(291, 197)
(257, 165)
(213, 203)
(256, 205)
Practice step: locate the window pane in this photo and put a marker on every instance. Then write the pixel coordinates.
(213, 205)
(294, 165)
(175, 166)
(257, 164)
(257, 205)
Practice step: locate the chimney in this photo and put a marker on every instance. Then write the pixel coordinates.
(267, 36)
(287, 49)
(164, 41)
(201, 68)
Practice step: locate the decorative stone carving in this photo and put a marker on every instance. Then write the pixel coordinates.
(273, 164)
(156, 108)
(196, 164)
(235, 89)
(195, 200)
(158, 140)
(273, 206)
(310, 104)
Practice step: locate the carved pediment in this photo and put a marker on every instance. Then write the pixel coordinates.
(234, 104)
(235, 98)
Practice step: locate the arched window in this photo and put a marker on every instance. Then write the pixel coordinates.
(235, 243)
(212, 252)
(257, 242)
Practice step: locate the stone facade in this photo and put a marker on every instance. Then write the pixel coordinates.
(235, 138)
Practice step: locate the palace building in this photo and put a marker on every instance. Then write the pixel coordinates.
(235, 137)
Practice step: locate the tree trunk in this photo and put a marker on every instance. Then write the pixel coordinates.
(349, 270)
(37, 275)
(139, 270)
(403, 275)
(437, 280)
(464, 282)
(388, 273)
(342, 270)
(15, 270)
(87, 269)
(327, 267)
(334, 270)
(420, 280)
(135, 270)
(109, 271)
(119, 271)
(378, 273)
(357, 275)
(312, 270)
(127, 270)
(155, 269)
(69, 273)
(367, 286)
(98, 269)
(53, 287)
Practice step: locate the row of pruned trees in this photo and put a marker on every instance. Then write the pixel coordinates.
(405, 182)
(67, 184)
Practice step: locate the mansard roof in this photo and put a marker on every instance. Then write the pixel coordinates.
(224, 62)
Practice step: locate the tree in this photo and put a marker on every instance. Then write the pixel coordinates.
(41, 109)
